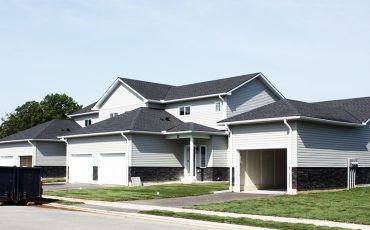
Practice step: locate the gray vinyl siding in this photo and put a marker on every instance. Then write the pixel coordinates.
(219, 151)
(202, 111)
(263, 136)
(156, 151)
(251, 96)
(322, 145)
(50, 154)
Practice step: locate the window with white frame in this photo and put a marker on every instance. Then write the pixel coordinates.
(113, 115)
(218, 106)
(203, 156)
(88, 122)
(184, 110)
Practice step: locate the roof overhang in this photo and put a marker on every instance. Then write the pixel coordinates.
(28, 140)
(302, 118)
(83, 114)
(138, 132)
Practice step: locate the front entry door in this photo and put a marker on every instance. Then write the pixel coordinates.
(187, 162)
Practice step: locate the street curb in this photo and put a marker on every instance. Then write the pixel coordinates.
(175, 220)
(292, 220)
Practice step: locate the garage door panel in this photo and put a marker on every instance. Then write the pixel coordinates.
(113, 169)
(80, 168)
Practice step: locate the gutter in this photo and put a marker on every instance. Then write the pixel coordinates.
(27, 140)
(304, 118)
(82, 114)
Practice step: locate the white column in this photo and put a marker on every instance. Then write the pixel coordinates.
(191, 159)
(237, 172)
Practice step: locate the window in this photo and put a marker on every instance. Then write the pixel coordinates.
(184, 110)
(218, 106)
(87, 122)
(203, 156)
(113, 115)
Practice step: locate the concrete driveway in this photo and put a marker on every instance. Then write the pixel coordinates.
(204, 199)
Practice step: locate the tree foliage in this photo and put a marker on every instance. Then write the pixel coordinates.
(32, 113)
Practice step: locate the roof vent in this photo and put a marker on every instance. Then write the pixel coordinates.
(68, 130)
(167, 119)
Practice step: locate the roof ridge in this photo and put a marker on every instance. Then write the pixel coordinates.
(292, 106)
(134, 119)
(341, 100)
(151, 82)
(48, 123)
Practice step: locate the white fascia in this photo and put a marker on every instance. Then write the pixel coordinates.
(83, 114)
(112, 88)
(292, 118)
(108, 133)
(28, 140)
(194, 132)
(189, 98)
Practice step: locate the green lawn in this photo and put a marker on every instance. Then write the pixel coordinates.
(238, 221)
(53, 180)
(141, 193)
(343, 206)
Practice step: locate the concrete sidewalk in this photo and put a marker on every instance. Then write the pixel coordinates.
(130, 207)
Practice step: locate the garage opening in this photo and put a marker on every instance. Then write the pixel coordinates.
(263, 170)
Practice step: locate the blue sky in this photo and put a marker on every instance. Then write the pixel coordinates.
(310, 50)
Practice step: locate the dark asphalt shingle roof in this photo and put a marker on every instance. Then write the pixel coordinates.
(86, 109)
(359, 107)
(49, 130)
(149, 90)
(288, 108)
(191, 126)
(142, 119)
(208, 87)
(156, 91)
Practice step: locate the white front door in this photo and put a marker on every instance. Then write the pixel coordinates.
(7, 161)
(80, 168)
(113, 169)
(187, 162)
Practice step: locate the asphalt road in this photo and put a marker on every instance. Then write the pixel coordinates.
(35, 218)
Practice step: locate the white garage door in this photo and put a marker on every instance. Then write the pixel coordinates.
(6, 161)
(80, 168)
(112, 169)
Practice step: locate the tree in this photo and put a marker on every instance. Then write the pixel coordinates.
(32, 113)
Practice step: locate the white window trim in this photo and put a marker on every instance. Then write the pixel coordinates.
(205, 156)
(184, 106)
(218, 102)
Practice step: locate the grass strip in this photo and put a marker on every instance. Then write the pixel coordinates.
(237, 221)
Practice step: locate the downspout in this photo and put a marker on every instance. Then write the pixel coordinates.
(33, 153)
(289, 158)
(127, 157)
(67, 159)
(230, 151)
(223, 106)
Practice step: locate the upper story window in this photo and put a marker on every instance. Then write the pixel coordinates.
(218, 106)
(184, 110)
(88, 122)
(113, 115)
(203, 156)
